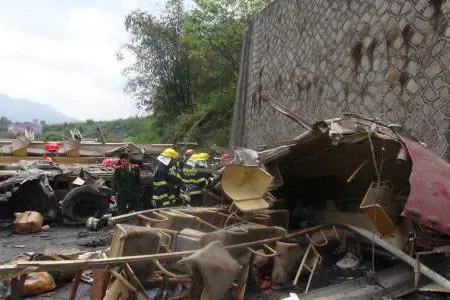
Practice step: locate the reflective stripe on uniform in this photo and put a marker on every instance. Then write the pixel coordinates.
(200, 180)
(193, 180)
(189, 171)
(188, 180)
(165, 203)
(159, 183)
(194, 192)
(171, 197)
(160, 197)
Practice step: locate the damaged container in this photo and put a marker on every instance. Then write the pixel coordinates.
(379, 205)
(29, 221)
(38, 283)
(246, 185)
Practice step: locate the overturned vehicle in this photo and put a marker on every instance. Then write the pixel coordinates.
(360, 172)
(350, 209)
(60, 192)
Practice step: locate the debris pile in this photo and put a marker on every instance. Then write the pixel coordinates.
(67, 193)
(351, 208)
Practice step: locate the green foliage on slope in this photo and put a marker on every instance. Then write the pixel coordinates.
(184, 73)
(186, 68)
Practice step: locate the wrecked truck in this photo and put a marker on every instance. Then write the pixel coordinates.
(362, 172)
(351, 197)
(69, 192)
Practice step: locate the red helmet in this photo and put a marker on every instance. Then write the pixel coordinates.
(225, 156)
(189, 153)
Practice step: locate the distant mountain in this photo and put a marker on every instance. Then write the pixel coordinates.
(23, 110)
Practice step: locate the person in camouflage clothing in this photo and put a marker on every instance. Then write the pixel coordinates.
(127, 185)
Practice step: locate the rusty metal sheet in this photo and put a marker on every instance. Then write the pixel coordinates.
(429, 200)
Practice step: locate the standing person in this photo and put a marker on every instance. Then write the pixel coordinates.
(194, 180)
(187, 155)
(164, 182)
(127, 185)
(225, 159)
(181, 163)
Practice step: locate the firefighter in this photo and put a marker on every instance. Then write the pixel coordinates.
(187, 155)
(194, 180)
(126, 185)
(178, 167)
(165, 179)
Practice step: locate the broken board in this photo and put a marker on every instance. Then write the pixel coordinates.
(246, 185)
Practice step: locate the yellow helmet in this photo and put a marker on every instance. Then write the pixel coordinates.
(169, 152)
(203, 156)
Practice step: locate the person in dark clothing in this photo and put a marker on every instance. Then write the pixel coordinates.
(194, 180)
(165, 180)
(126, 185)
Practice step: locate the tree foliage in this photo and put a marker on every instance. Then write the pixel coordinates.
(159, 77)
(4, 124)
(186, 67)
(114, 131)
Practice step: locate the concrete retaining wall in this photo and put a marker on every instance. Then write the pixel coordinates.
(387, 59)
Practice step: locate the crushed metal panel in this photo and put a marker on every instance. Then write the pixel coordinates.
(379, 205)
(246, 185)
(429, 199)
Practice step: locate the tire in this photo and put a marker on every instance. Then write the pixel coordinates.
(83, 202)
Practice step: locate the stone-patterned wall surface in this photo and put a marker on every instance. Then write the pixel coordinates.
(387, 59)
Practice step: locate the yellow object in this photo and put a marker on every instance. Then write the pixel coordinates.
(20, 144)
(29, 221)
(169, 152)
(73, 153)
(202, 156)
(117, 291)
(246, 185)
(136, 240)
(379, 205)
(20, 152)
(38, 283)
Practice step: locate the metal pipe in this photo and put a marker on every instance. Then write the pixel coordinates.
(436, 277)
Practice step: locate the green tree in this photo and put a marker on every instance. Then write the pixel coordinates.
(215, 28)
(52, 136)
(159, 77)
(4, 124)
(186, 67)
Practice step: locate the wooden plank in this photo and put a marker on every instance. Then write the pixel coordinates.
(126, 217)
(17, 284)
(83, 264)
(76, 283)
(242, 285)
(101, 280)
(15, 289)
(10, 271)
(128, 284)
(136, 281)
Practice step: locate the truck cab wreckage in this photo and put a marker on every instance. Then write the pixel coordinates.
(350, 209)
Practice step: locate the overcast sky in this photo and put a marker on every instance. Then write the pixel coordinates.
(63, 53)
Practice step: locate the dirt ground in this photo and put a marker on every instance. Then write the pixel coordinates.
(65, 239)
(58, 239)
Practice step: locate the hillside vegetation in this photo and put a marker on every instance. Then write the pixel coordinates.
(184, 74)
(186, 68)
(114, 131)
